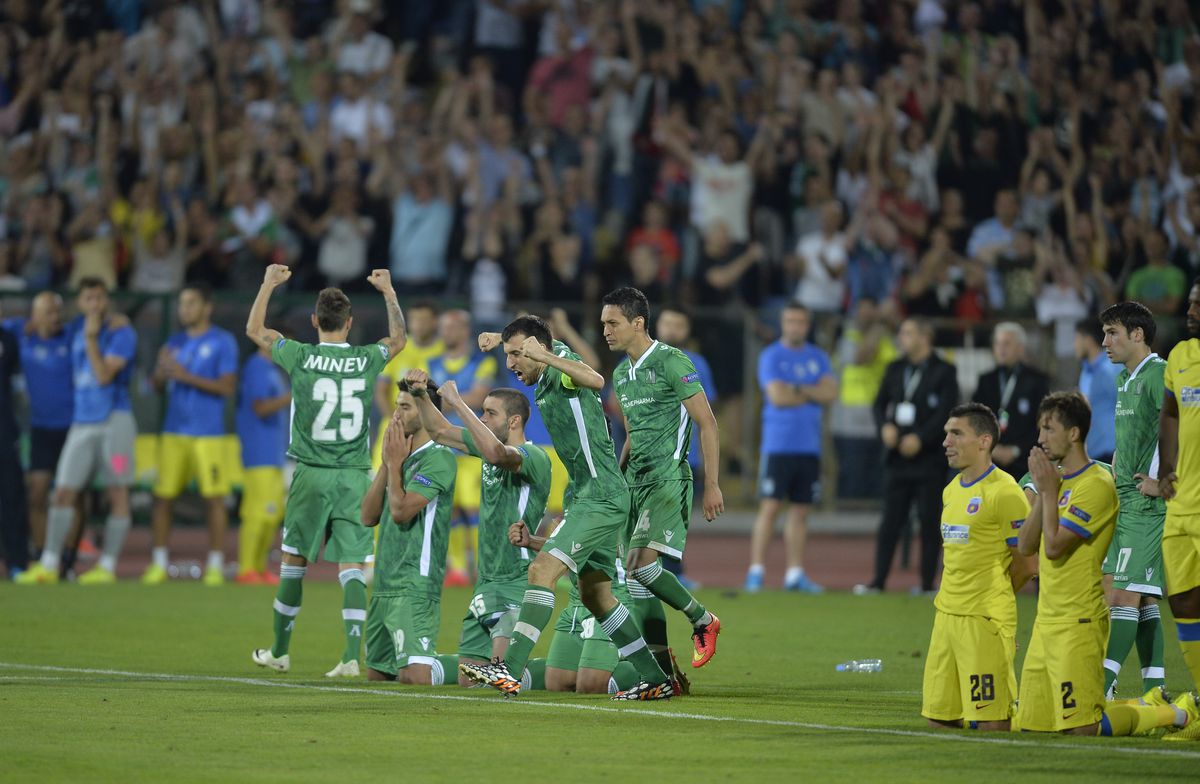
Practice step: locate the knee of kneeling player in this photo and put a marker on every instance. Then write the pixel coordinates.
(416, 675)
(592, 682)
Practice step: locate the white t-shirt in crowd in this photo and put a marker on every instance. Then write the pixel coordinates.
(721, 191)
(818, 290)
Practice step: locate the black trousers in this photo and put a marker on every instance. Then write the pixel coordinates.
(14, 515)
(900, 492)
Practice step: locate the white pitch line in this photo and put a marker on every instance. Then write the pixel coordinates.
(1090, 748)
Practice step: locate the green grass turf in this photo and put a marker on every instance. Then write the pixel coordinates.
(768, 708)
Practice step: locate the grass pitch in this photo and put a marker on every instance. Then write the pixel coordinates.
(148, 684)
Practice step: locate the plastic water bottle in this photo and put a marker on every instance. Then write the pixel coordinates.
(861, 665)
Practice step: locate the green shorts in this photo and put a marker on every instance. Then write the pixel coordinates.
(492, 613)
(1135, 558)
(580, 643)
(589, 538)
(323, 508)
(402, 630)
(659, 516)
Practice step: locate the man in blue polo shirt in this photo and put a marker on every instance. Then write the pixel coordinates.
(45, 349)
(198, 369)
(100, 441)
(14, 527)
(1098, 383)
(796, 381)
(262, 428)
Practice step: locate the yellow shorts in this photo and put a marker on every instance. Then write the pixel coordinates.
(1062, 682)
(1181, 552)
(262, 495)
(969, 670)
(184, 458)
(558, 482)
(468, 484)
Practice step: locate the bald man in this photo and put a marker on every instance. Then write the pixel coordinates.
(1013, 390)
(44, 345)
(475, 374)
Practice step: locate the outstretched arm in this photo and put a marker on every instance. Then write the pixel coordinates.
(435, 424)
(579, 373)
(397, 337)
(490, 447)
(256, 323)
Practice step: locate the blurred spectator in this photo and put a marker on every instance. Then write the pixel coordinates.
(993, 237)
(1159, 285)
(1098, 383)
(915, 397)
(796, 380)
(863, 353)
(822, 259)
(159, 266)
(422, 219)
(1013, 389)
(343, 233)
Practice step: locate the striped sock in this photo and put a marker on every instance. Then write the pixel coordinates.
(536, 610)
(667, 587)
(1122, 633)
(623, 631)
(1189, 640)
(652, 619)
(1150, 647)
(287, 606)
(624, 676)
(354, 610)
(534, 676)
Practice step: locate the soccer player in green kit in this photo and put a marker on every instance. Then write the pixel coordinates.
(411, 498)
(660, 395)
(332, 383)
(589, 537)
(1134, 562)
(515, 485)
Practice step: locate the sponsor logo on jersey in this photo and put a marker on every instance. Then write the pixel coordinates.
(957, 534)
(335, 364)
(425, 643)
(1149, 574)
(639, 401)
(974, 504)
(422, 480)
(1016, 524)
(690, 378)
(575, 547)
(668, 535)
(1082, 515)
(1189, 396)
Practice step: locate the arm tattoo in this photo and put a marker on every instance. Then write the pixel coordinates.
(396, 326)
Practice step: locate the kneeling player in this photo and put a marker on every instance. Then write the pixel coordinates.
(1070, 527)
(411, 496)
(969, 674)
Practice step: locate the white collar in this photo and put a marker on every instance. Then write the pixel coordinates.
(1138, 369)
(642, 358)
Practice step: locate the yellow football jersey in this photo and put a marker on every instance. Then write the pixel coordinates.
(412, 357)
(1070, 587)
(980, 521)
(1182, 379)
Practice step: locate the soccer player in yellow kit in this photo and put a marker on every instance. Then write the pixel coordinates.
(969, 676)
(1179, 483)
(1071, 525)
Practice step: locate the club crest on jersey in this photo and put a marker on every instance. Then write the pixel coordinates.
(974, 504)
(651, 376)
(1066, 496)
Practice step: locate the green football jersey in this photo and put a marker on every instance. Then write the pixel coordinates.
(1139, 400)
(575, 420)
(332, 390)
(507, 497)
(651, 392)
(411, 557)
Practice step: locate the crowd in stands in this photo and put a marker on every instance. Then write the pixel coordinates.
(971, 160)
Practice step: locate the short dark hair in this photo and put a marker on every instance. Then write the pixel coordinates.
(333, 310)
(1069, 408)
(430, 389)
(1090, 327)
(515, 403)
(675, 307)
(1131, 316)
(425, 304)
(530, 326)
(202, 289)
(92, 282)
(923, 325)
(980, 418)
(631, 301)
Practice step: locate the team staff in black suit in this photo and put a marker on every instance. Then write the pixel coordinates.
(911, 410)
(1013, 390)
(14, 520)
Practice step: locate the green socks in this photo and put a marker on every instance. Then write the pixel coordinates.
(536, 610)
(287, 606)
(622, 629)
(445, 669)
(666, 587)
(534, 676)
(1150, 647)
(354, 610)
(1122, 632)
(648, 610)
(624, 677)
